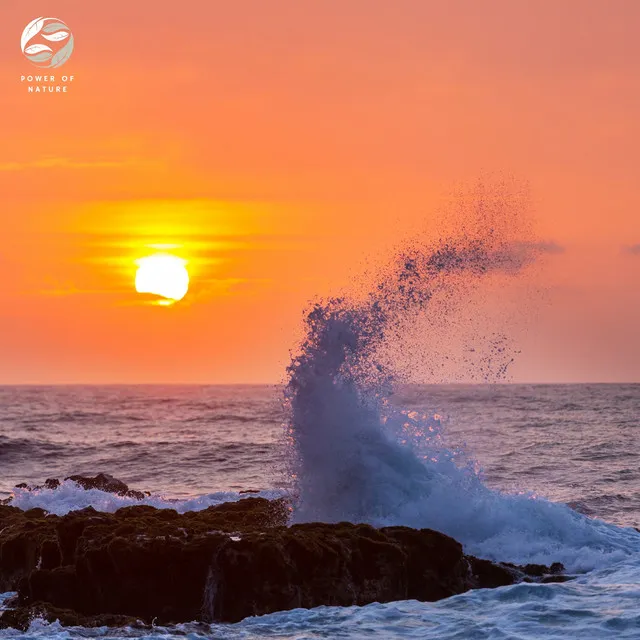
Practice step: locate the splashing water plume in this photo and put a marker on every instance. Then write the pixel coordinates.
(356, 457)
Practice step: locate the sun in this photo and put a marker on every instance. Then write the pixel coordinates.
(163, 275)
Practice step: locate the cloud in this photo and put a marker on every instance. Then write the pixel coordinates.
(633, 249)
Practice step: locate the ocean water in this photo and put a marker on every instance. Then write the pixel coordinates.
(515, 473)
(535, 448)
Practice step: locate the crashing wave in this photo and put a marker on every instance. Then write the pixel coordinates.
(356, 457)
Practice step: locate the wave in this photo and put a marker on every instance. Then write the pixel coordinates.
(355, 457)
(29, 447)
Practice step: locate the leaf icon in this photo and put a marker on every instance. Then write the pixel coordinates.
(54, 26)
(31, 30)
(63, 55)
(57, 36)
(41, 57)
(37, 48)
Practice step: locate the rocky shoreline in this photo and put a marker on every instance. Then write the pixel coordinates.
(141, 565)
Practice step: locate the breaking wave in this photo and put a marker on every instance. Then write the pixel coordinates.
(356, 457)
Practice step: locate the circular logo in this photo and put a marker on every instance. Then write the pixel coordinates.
(47, 42)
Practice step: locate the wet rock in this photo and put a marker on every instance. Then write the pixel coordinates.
(224, 563)
(499, 574)
(102, 481)
(105, 482)
(485, 573)
(22, 535)
(21, 618)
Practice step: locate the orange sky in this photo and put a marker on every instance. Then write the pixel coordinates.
(285, 145)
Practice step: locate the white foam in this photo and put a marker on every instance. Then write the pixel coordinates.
(4, 597)
(71, 497)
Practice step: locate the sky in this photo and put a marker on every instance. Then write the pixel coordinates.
(284, 148)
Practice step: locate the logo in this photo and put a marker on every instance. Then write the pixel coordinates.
(47, 42)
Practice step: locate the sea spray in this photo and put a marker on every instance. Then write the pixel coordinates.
(355, 457)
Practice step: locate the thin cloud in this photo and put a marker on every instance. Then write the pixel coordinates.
(633, 250)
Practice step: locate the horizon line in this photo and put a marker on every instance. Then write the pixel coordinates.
(282, 384)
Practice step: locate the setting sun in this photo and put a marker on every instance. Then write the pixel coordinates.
(163, 275)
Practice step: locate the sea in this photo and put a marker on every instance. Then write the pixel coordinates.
(550, 473)
(516, 473)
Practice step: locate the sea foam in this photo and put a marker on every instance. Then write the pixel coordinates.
(69, 496)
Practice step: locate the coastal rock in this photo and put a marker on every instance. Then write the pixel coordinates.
(224, 563)
(21, 618)
(102, 481)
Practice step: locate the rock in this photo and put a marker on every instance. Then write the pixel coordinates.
(485, 573)
(22, 536)
(224, 563)
(21, 618)
(102, 481)
(105, 482)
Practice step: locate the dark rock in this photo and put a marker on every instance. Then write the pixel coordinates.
(224, 563)
(102, 481)
(21, 539)
(498, 574)
(556, 567)
(538, 570)
(105, 482)
(21, 617)
(491, 574)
